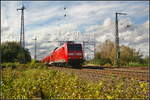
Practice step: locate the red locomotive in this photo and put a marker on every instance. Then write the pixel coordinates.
(69, 53)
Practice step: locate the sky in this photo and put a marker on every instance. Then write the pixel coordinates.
(84, 21)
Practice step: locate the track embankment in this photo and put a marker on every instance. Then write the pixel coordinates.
(96, 73)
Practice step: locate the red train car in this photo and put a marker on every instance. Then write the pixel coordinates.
(69, 53)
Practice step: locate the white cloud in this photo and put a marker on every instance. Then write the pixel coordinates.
(34, 16)
(107, 22)
(41, 21)
(10, 24)
(131, 36)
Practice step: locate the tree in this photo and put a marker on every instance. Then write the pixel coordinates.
(106, 52)
(127, 54)
(106, 49)
(13, 52)
(97, 55)
(146, 60)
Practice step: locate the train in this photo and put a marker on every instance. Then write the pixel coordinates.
(68, 54)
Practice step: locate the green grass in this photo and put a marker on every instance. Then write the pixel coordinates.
(18, 66)
(135, 64)
(98, 63)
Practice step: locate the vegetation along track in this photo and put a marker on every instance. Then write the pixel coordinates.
(95, 74)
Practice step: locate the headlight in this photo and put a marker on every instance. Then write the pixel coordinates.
(70, 54)
(79, 54)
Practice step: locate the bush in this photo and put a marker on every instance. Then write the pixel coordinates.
(13, 52)
(22, 67)
(9, 65)
(136, 64)
(107, 65)
(101, 61)
(35, 65)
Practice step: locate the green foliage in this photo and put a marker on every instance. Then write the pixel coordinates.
(146, 61)
(106, 55)
(100, 61)
(130, 55)
(107, 65)
(22, 67)
(12, 52)
(9, 65)
(50, 84)
(35, 65)
(136, 64)
(16, 66)
(33, 61)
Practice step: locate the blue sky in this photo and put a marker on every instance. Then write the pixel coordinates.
(45, 20)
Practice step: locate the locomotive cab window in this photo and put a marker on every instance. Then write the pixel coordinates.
(76, 47)
(70, 47)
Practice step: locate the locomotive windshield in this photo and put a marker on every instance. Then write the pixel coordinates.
(76, 47)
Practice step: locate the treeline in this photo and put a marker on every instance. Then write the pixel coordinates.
(13, 52)
(105, 55)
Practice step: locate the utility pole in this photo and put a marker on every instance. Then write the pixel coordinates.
(35, 47)
(22, 37)
(117, 59)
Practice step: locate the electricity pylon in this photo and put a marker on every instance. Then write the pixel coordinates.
(22, 37)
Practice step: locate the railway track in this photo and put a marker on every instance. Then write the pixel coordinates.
(96, 74)
(120, 69)
(143, 72)
(141, 76)
(106, 75)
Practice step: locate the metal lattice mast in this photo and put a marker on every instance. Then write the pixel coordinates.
(117, 43)
(117, 59)
(22, 36)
